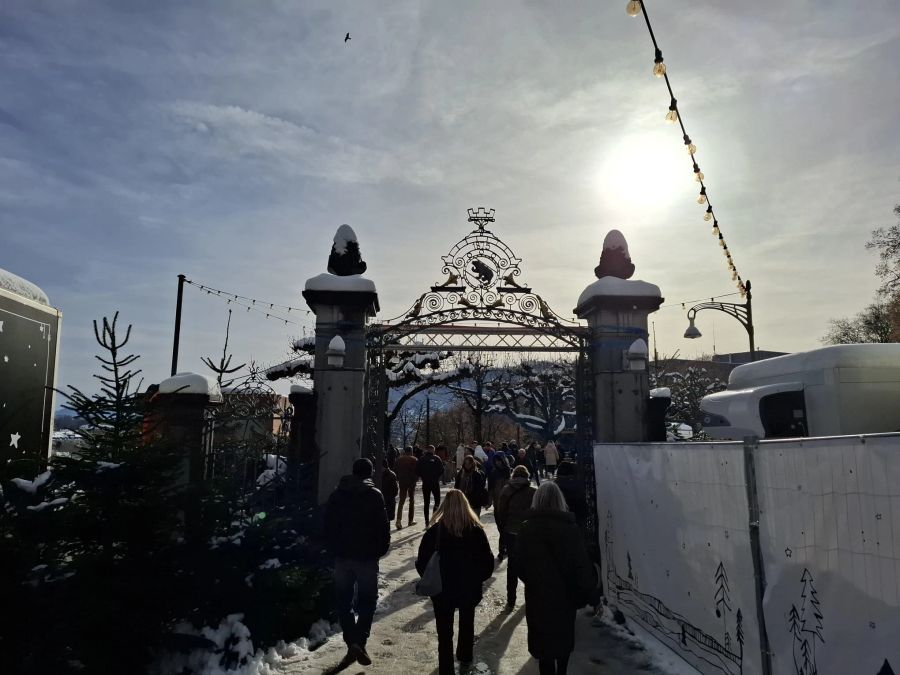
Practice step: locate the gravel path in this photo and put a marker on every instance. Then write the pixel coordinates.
(404, 640)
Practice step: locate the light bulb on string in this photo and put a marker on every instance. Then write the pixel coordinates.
(698, 175)
(672, 115)
(708, 215)
(633, 7)
(715, 229)
(659, 67)
(691, 148)
(702, 198)
(721, 240)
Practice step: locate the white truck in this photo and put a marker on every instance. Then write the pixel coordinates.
(832, 391)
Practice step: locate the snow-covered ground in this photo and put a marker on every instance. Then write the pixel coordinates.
(404, 639)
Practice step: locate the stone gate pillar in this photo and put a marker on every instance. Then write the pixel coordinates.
(342, 300)
(616, 309)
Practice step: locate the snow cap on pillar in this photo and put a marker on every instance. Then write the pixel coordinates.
(344, 276)
(614, 287)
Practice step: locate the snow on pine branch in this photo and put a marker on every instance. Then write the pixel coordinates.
(302, 365)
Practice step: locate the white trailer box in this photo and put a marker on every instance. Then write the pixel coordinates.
(833, 391)
(29, 351)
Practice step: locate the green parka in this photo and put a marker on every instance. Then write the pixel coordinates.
(553, 563)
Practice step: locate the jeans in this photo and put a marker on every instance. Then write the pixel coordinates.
(512, 581)
(359, 577)
(430, 490)
(443, 618)
(553, 666)
(406, 491)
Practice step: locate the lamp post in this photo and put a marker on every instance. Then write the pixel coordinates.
(742, 312)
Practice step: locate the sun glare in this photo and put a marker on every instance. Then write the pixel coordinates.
(645, 171)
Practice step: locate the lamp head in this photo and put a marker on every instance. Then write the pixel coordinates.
(692, 331)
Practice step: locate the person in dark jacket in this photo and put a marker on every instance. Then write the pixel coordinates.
(389, 490)
(514, 503)
(430, 469)
(358, 533)
(498, 477)
(572, 488)
(524, 459)
(471, 481)
(407, 477)
(558, 576)
(466, 562)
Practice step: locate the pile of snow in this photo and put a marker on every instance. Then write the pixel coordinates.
(613, 286)
(32, 486)
(356, 283)
(300, 389)
(191, 383)
(302, 364)
(305, 344)
(59, 501)
(337, 345)
(661, 392)
(16, 284)
(342, 237)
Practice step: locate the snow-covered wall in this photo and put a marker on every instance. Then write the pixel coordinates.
(16, 284)
(677, 557)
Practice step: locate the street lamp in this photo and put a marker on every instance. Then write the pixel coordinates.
(741, 312)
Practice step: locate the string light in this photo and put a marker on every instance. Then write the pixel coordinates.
(672, 115)
(633, 8)
(250, 305)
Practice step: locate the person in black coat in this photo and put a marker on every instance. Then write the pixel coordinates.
(523, 459)
(466, 562)
(552, 562)
(389, 489)
(471, 481)
(573, 490)
(430, 469)
(358, 533)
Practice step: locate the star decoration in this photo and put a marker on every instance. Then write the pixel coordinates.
(14, 440)
(788, 552)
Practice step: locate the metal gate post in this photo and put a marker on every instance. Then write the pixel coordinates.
(751, 444)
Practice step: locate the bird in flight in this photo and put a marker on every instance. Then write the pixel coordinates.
(347, 37)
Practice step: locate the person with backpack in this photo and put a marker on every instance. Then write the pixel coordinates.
(558, 575)
(430, 469)
(465, 562)
(358, 533)
(513, 504)
(407, 477)
(471, 481)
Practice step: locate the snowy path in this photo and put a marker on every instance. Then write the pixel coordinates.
(404, 640)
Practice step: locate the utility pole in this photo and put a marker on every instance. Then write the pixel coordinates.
(427, 420)
(177, 324)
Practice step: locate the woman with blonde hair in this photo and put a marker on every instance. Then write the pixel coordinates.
(559, 578)
(466, 562)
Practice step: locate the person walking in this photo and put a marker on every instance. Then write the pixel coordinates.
(389, 490)
(552, 562)
(430, 469)
(551, 458)
(471, 481)
(358, 533)
(536, 457)
(497, 479)
(407, 476)
(573, 491)
(514, 503)
(466, 562)
(524, 460)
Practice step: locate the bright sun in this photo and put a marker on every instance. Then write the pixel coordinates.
(645, 171)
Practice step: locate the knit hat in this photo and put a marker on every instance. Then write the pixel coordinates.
(362, 468)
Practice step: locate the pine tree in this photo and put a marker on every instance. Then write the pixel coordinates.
(739, 635)
(223, 367)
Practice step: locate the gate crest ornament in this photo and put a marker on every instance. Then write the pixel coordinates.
(481, 283)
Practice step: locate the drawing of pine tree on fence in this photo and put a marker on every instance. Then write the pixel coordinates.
(805, 625)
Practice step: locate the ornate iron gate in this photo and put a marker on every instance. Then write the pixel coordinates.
(481, 306)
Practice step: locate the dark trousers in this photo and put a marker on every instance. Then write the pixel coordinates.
(390, 506)
(553, 666)
(406, 492)
(430, 490)
(443, 618)
(512, 581)
(359, 578)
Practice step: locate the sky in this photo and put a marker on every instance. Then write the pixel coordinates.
(227, 140)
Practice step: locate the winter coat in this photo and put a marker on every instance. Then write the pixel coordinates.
(559, 578)
(466, 563)
(528, 464)
(551, 454)
(389, 485)
(356, 525)
(573, 490)
(405, 467)
(460, 454)
(498, 476)
(513, 504)
(479, 453)
(472, 485)
(430, 468)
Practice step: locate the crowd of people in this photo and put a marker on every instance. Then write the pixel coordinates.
(539, 533)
